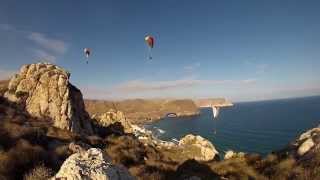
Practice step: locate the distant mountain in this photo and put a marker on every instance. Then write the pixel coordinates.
(218, 102)
(144, 110)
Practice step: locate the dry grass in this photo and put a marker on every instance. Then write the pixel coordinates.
(19, 159)
(235, 168)
(40, 172)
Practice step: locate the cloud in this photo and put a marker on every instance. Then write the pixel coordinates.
(6, 74)
(192, 67)
(54, 45)
(43, 55)
(139, 86)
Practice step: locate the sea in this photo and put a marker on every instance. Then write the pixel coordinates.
(251, 127)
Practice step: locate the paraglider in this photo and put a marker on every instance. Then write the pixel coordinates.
(215, 111)
(87, 53)
(150, 42)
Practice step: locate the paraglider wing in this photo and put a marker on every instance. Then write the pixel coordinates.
(87, 53)
(150, 41)
(215, 111)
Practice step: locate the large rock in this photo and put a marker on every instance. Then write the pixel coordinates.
(308, 141)
(198, 148)
(91, 165)
(112, 117)
(45, 92)
(231, 154)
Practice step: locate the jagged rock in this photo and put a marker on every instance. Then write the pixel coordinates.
(44, 91)
(91, 165)
(198, 148)
(305, 146)
(231, 154)
(112, 117)
(309, 133)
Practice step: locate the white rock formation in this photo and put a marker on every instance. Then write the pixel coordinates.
(231, 154)
(91, 165)
(198, 148)
(305, 146)
(44, 91)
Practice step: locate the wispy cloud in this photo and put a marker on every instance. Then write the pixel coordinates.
(44, 46)
(139, 86)
(43, 55)
(192, 67)
(6, 74)
(51, 44)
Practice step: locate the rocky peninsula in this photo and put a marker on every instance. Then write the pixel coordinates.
(46, 133)
(140, 111)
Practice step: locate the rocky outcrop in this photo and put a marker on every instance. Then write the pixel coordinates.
(198, 148)
(112, 117)
(231, 154)
(308, 141)
(45, 92)
(189, 147)
(92, 164)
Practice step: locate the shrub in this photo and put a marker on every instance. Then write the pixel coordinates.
(40, 172)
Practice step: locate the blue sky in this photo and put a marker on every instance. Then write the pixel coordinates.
(242, 50)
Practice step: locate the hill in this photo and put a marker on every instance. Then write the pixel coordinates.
(143, 110)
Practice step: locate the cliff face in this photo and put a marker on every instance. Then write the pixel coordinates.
(44, 92)
(141, 111)
(218, 102)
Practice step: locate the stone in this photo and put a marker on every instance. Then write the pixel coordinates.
(45, 92)
(309, 133)
(112, 117)
(198, 148)
(229, 154)
(92, 164)
(305, 146)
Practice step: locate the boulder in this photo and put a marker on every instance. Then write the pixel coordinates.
(231, 154)
(92, 164)
(112, 117)
(309, 133)
(305, 146)
(45, 92)
(198, 148)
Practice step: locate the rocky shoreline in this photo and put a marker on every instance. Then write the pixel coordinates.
(46, 133)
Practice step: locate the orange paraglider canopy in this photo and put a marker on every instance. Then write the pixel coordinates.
(150, 41)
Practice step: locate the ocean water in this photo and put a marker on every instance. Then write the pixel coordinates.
(255, 127)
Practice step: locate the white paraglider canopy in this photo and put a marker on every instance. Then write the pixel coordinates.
(215, 111)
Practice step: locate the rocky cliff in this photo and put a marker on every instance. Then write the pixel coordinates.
(45, 92)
